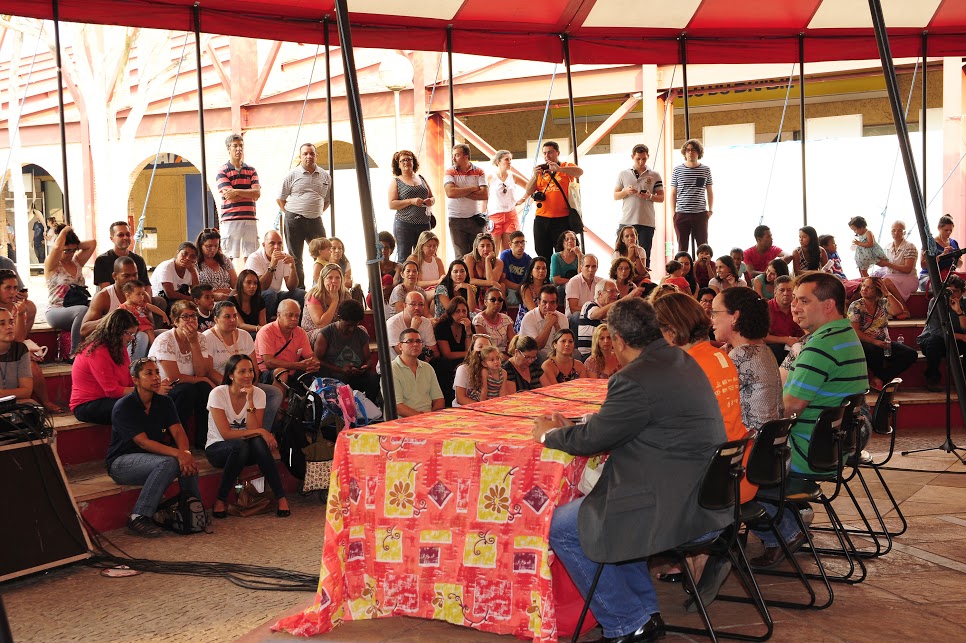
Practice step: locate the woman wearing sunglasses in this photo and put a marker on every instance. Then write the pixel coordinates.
(494, 323)
(100, 376)
(501, 204)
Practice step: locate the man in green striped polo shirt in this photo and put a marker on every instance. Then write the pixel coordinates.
(830, 368)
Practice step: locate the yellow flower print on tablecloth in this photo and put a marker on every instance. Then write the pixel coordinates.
(366, 605)
(459, 448)
(480, 549)
(363, 444)
(494, 500)
(534, 611)
(389, 545)
(448, 603)
(333, 513)
(400, 489)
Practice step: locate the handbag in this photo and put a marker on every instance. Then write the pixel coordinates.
(77, 295)
(183, 514)
(251, 502)
(574, 221)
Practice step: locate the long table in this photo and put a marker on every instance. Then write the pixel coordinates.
(447, 515)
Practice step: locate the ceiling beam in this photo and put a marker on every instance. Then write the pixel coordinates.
(266, 72)
(219, 69)
(610, 123)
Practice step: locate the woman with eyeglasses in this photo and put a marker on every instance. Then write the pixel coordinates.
(224, 340)
(149, 446)
(100, 376)
(409, 278)
(247, 297)
(214, 268)
(521, 368)
(602, 361)
(494, 323)
(182, 353)
(412, 199)
(536, 277)
(485, 267)
(236, 436)
(562, 366)
(323, 301)
(501, 204)
(453, 330)
(67, 295)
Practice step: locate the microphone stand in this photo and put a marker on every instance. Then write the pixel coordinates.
(953, 360)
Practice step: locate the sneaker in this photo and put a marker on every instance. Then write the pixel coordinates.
(808, 515)
(142, 526)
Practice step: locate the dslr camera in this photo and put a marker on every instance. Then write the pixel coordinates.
(539, 196)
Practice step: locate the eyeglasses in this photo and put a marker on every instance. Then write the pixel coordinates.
(188, 316)
(405, 159)
(411, 341)
(495, 300)
(144, 360)
(528, 358)
(504, 187)
(690, 149)
(719, 312)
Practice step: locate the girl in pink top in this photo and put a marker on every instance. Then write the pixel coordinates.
(100, 375)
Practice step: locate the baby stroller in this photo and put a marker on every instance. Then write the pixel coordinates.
(307, 434)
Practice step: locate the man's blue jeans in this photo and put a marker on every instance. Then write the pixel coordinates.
(625, 597)
(788, 527)
(154, 472)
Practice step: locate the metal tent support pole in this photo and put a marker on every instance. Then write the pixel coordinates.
(365, 201)
(922, 120)
(573, 117)
(201, 116)
(452, 96)
(60, 104)
(801, 109)
(684, 74)
(954, 366)
(328, 109)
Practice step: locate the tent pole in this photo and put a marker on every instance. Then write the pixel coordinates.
(328, 109)
(201, 115)
(60, 103)
(365, 201)
(684, 70)
(922, 120)
(953, 366)
(452, 97)
(801, 110)
(573, 117)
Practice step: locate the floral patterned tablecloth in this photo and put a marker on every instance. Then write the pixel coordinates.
(446, 516)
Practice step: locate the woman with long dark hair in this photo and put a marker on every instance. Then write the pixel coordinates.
(100, 376)
(536, 277)
(236, 437)
(687, 262)
(214, 268)
(764, 283)
(809, 255)
(627, 247)
(247, 297)
(456, 283)
(726, 274)
(494, 323)
(562, 366)
(521, 367)
(869, 316)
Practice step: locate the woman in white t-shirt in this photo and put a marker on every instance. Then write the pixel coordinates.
(236, 438)
(501, 204)
(224, 340)
(183, 356)
(173, 279)
(461, 380)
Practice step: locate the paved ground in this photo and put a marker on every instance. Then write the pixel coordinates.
(916, 593)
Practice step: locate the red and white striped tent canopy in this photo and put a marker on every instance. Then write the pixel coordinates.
(600, 31)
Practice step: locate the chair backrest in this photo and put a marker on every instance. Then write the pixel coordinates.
(885, 407)
(770, 454)
(719, 487)
(850, 422)
(825, 447)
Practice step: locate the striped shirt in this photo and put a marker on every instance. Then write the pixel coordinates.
(586, 328)
(691, 184)
(245, 178)
(464, 207)
(830, 368)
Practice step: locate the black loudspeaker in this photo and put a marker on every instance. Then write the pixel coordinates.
(41, 527)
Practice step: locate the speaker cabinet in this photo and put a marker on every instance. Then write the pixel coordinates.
(41, 526)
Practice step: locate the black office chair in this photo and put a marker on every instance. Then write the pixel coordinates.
(884, 415)
(719, 490)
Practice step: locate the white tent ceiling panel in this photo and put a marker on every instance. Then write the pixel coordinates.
(634, 13)
(854, 14)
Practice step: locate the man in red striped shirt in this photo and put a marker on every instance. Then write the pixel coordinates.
(238, 184)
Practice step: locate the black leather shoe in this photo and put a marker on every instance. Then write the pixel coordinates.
(774, 555)
(650, 631)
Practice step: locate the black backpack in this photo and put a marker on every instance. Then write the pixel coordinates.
(182, 514)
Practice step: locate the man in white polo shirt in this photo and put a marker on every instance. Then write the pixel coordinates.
(303, 198)
(638, 189)
(580, 288)
(413, 316)
(275, 269)
(465, 187)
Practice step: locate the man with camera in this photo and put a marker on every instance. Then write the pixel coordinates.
(550, 187)
(638, 189)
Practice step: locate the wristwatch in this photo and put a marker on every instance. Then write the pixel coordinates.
(270, 269)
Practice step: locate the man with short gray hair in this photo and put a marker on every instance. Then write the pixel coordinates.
(302, 199)
(237, 182)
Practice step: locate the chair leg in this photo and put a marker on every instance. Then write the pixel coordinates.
(799, 572)
(590, 595)
(689, 579)
(895, 505)
(868, 531)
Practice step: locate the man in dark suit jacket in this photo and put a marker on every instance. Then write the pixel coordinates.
(661, 425)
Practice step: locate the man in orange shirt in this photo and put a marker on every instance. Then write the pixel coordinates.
(552, 210)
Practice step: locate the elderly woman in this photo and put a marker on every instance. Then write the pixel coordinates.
(869, 316)
(225, 339)
(741, 319)
(100, 376)
(67, 295)
(343, 350)
(501, 202)
(602, 362)
(323, 301)
(411, 198)
(183, 355)
(148, 444)
(173, 279)
(898, 269)
(236, 435)
(214, 268)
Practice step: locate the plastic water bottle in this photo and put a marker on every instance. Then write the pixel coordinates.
(901, 339)
(887, 349)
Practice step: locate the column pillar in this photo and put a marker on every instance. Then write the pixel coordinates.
(954, 105)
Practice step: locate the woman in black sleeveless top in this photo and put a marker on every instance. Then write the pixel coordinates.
(411, 198)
